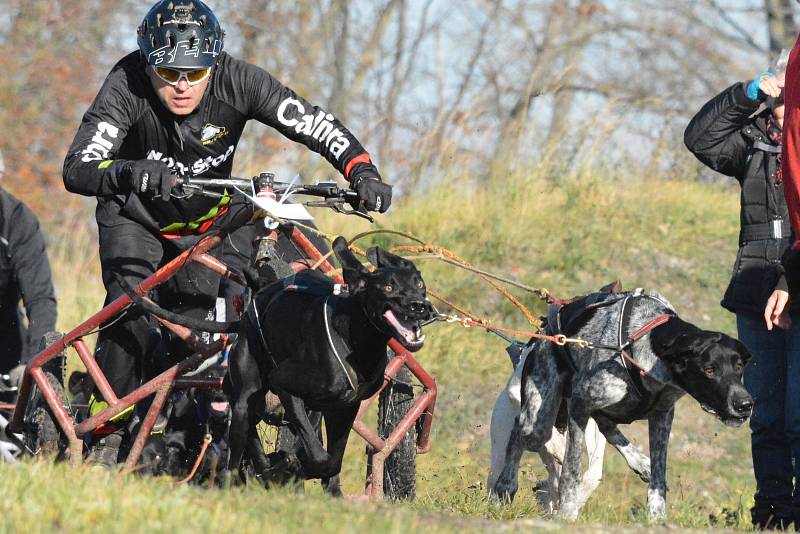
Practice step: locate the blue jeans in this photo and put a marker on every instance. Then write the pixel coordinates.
(773, 380)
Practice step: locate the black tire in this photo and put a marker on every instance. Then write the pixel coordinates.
(40, 431)
(400, 468)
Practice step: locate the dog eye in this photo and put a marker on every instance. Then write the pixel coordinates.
(710, 371)
(388, 288)
(739, 367)
(420, 285)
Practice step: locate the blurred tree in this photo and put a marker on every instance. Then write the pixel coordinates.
(426, 84)
(780, 23)
(50, 53)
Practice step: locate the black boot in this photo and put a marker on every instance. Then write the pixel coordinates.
(773, 516)
(105, 452)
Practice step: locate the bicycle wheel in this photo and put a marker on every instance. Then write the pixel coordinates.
(40, 431)
(400, 468)
(278, 439)
(41, 434)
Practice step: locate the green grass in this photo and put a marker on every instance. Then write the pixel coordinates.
(568, 233)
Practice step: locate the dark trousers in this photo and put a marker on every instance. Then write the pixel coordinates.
(131, 252)
(772, 377)
(12, 336)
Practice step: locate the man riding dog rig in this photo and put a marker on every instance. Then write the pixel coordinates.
(179, 105)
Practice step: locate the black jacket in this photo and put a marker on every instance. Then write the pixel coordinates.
(127, 121)
(726, 136)
(24, 275)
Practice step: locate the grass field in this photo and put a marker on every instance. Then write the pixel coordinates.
(570, 234)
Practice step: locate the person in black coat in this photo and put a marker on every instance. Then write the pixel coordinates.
(178, 106)
(24, 276)
(738, 133)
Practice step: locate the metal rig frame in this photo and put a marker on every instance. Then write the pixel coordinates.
(160, 387)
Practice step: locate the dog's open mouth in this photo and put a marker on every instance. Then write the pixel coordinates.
(220, 406)
(410, 336)
(728, 420)
(708, 409)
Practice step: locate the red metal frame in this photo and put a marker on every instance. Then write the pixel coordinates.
(160, 386)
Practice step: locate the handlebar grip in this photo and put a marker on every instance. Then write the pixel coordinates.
(325, 190)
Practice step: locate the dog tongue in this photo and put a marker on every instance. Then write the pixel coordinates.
(219, 406)
(414, 337)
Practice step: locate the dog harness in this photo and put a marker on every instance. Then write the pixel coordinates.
(309, 283)
(346, 368)
(562, 318)
(625, 343)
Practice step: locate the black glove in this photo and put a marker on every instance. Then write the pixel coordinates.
(152, 175)
(373, 194)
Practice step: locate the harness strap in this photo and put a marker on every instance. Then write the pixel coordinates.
(257, 323)
(635, 371)
(658, 321)
(764, 147)
(625, 359)
(333, 345)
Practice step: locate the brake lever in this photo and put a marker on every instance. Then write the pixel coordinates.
(359, 213)
(351, 199)
(339, 206)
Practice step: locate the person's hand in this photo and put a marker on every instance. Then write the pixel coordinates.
(777, 311)
(763, 86)
(15, 375)
(151, 175)
(373, 194)
(772, 86)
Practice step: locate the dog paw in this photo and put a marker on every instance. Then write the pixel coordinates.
(333, 486)
(643, 470)
(568, 512)
(283, 468)
(501, 496)
(644, 474)
(656, 505)
(228, 478)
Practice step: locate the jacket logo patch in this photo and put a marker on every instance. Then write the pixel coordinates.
(211, 133)
(291, 113)
(198, 167)
(101, 144)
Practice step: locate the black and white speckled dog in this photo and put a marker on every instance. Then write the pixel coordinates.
(664, 358)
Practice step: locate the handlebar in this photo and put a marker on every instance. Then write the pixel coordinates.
(341, 200)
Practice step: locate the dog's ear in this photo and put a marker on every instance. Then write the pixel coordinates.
(744, 352)
(380, 258)
(740, 348)
(676, 340)
(613, 288)
(353, 271)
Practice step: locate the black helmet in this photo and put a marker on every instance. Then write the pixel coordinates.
(180, 34)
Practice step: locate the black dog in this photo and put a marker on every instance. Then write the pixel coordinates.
(322, 351)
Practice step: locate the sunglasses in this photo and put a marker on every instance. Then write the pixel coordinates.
(174, 76)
